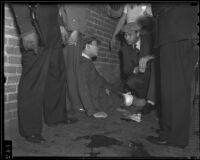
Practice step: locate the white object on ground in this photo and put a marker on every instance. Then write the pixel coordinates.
(135, 117)
(128, 99)
(100, 115)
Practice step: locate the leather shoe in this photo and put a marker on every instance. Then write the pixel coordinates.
(35, 139)
(147, 108)
(160, 141)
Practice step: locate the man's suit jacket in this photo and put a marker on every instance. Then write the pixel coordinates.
(175, 22)
(91, 86)
(131, 56)
(47, 15)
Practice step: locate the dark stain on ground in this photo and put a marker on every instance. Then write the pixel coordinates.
(138, 150)
(99, 141)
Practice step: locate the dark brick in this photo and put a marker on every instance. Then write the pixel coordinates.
(9, 22)
(14, 59)
(12, 96)
(13, 79)
(13, 42)
(10, 88)
(11, 31)
(10, 69)
(13, 50)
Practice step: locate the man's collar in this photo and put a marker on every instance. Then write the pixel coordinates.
(137, 44)
(85, 55)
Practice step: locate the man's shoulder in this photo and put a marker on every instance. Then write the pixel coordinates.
(86, 63)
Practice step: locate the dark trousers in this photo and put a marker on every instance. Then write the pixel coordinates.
(139, 83)
(109, 103)
(72, 56)
(177, 62)
(41, 90)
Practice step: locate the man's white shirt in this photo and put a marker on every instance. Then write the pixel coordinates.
(85, 55)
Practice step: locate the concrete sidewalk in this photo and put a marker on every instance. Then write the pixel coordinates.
(109, 137)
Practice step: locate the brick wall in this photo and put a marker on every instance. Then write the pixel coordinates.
(107, 62)
(102, 26)
(12, 66)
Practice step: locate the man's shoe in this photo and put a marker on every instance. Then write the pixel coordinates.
(35, 139)
(160, 141)
(148, 108)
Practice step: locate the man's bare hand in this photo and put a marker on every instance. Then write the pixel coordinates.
(64, 35)
(73, 38)
(143, 62)
(30, 41)
(136, 70)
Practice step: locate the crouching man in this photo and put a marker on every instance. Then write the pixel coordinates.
(137, 65)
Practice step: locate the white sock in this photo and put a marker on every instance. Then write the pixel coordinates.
(151, 102)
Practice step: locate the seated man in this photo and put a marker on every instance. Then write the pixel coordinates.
(135, 62)
(98, 97)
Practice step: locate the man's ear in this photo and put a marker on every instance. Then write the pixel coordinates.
(87, 46)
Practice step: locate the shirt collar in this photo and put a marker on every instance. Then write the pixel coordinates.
(137, 44)
(85, 55)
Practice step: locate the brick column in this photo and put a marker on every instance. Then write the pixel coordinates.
(12, 66)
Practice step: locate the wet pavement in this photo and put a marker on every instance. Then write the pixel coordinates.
(89, 137)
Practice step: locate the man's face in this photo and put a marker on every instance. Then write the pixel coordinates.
(93, 48)
(131, 38)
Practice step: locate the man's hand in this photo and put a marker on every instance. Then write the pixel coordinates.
(64, 35)
(143, 62)
(73, 38)
(107, 91)
(136, 70)
(30, 41)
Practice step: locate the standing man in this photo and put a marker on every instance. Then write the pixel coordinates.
(177, 40)
(74, 17)
(42, 93)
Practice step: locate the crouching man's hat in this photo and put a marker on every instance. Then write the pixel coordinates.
(130, 27)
